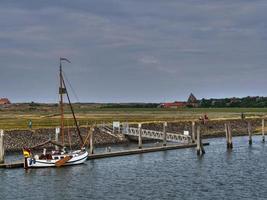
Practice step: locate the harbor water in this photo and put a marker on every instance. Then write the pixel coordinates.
(240, 173)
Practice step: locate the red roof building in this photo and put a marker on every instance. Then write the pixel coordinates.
(191, 102)
(4, 101)
(174, 105)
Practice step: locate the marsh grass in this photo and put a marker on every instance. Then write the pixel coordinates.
(46, 116)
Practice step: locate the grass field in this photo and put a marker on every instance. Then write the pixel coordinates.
(17, 116)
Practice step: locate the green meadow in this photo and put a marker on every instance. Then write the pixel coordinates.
(17, 116)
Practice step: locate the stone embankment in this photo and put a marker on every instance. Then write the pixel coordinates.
(212, 128)
(15, 140)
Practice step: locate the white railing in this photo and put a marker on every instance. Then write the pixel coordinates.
(171, 137)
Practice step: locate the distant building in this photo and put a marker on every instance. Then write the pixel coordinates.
(4, 101)
(192, 99)
(191, 102)
(173, 105)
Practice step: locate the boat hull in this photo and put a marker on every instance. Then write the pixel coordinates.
(76, 159)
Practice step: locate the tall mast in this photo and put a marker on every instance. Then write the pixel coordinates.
(61, 103)
(63, 90)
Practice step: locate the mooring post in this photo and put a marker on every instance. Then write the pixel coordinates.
(226, 135)
(198, 140)
(249, 134)
(193, 132)
(91, 141)
(140, 136)
(200, 148)
(164, 134)
(2, 148)
(263, 131)
(230, 138)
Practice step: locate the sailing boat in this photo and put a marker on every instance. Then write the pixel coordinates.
(57, 157)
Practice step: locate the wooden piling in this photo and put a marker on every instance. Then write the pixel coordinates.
(91, 141)
(140, 136)
(193, 132)
(164, 134)
(249, 134)
(200, 148)
(2, 148)
(230, 138)
(226, 135)
(263, 131)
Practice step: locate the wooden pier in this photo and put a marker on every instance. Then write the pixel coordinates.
(19, 164)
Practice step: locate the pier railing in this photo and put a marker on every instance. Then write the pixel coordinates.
(170, 137)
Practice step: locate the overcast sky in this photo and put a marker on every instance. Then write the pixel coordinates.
(133, 50)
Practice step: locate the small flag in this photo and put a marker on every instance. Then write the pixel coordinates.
(26, 153)
(65, 59)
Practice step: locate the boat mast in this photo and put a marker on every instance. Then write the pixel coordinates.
(61, 103)
(63, 90)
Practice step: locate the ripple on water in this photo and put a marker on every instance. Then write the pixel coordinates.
(179, 174)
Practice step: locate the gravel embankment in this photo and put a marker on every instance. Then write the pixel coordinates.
(15, 140)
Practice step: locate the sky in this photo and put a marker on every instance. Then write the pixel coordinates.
(133, 50)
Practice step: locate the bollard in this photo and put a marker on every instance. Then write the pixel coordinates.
(200, 148)
(193, 132)
(2, 148)
(140, 136)
(263, 134)
(91, 150)
(249, 134)
(164, 134)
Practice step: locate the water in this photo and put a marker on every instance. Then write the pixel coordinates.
(178, 174)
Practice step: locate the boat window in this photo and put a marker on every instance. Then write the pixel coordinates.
(61, 157)
(56, 158)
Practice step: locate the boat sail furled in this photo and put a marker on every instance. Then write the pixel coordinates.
(63, 157)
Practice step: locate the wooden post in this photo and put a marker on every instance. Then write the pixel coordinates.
(198, 140)
(140, 136)
(201, 145)
(200, 148)
(2, 148)
(164, 134)
(193, 132)
(263, 131)
(249, 134)
(57, 131)
(226, 135)
(230, 141)
(91, 140)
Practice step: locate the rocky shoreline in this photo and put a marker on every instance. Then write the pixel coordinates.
(15, 140)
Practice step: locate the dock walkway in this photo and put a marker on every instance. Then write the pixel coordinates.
(19, 164)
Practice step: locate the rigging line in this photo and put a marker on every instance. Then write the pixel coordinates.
(71, 108)
(69, 135)
(72, 90)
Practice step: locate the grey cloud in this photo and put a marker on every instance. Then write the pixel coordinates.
(128, 50)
